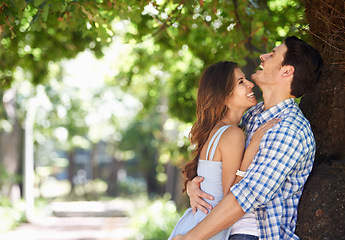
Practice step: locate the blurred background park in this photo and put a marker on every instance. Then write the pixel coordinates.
(98, 96)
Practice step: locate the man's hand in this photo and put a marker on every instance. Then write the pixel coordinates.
(196, 196)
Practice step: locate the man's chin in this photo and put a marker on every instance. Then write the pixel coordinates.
(255, 74)
(254, 77)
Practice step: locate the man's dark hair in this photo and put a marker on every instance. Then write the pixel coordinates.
(307, 62)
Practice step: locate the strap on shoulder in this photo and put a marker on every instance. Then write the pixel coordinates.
(215, 138)
(211, 141)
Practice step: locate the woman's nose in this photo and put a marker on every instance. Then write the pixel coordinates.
(249, 84)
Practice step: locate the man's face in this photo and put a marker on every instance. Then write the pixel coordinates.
(271, 64)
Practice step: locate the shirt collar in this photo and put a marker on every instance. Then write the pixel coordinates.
(274, 111)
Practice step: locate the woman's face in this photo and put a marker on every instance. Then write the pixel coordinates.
(242, 96)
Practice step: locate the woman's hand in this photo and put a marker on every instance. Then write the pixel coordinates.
(196, 196)
(253, 146)
(260, 132)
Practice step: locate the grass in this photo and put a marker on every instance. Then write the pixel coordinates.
(12, 214)
(154, 218)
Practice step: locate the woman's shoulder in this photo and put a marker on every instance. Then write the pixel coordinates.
(233, 129)
(232, 141)
(233, 133)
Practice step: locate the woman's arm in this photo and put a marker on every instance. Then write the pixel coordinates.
(231, 148)
(253, 146)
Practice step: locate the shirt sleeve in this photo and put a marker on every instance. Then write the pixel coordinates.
(279, 152)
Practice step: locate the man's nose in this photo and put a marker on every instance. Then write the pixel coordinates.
(263, 56)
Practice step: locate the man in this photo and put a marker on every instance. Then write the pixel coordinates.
(273, 184)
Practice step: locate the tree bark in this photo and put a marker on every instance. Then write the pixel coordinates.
(321, 209)
(324, 105)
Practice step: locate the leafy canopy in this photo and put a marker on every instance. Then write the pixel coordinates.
(184, 36)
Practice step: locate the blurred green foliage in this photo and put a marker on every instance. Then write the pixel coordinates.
(132, 187)
(12, 214)
(154, 219)
(6, 178)
(185, 36)
(169, 44)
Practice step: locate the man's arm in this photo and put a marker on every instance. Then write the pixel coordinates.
(279, 154)
(227, 211)
(225, 214)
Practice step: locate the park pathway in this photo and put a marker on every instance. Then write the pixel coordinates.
(77, 221)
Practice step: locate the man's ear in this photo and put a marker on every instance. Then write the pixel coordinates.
(287, 71)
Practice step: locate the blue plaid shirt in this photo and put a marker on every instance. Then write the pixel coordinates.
(273, 183)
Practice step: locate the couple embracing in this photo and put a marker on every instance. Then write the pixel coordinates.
(252, 183)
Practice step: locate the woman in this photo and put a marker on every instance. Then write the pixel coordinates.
(224, 94)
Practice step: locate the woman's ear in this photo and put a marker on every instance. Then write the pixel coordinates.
(228, 103)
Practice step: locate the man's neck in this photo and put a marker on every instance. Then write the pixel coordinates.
(272, 98)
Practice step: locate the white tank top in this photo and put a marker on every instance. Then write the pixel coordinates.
(246, 225)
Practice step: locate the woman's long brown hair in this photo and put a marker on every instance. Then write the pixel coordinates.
(215, 85)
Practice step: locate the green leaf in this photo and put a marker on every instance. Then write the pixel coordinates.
(37, 3)
(45, 12)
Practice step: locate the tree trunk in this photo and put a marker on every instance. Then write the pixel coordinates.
(94, 161)
(321, 209)
(112, 189)
(324, 105)
(174, 186)
(153, 186)
(10, 156)
(71, 169)
(11, 144)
